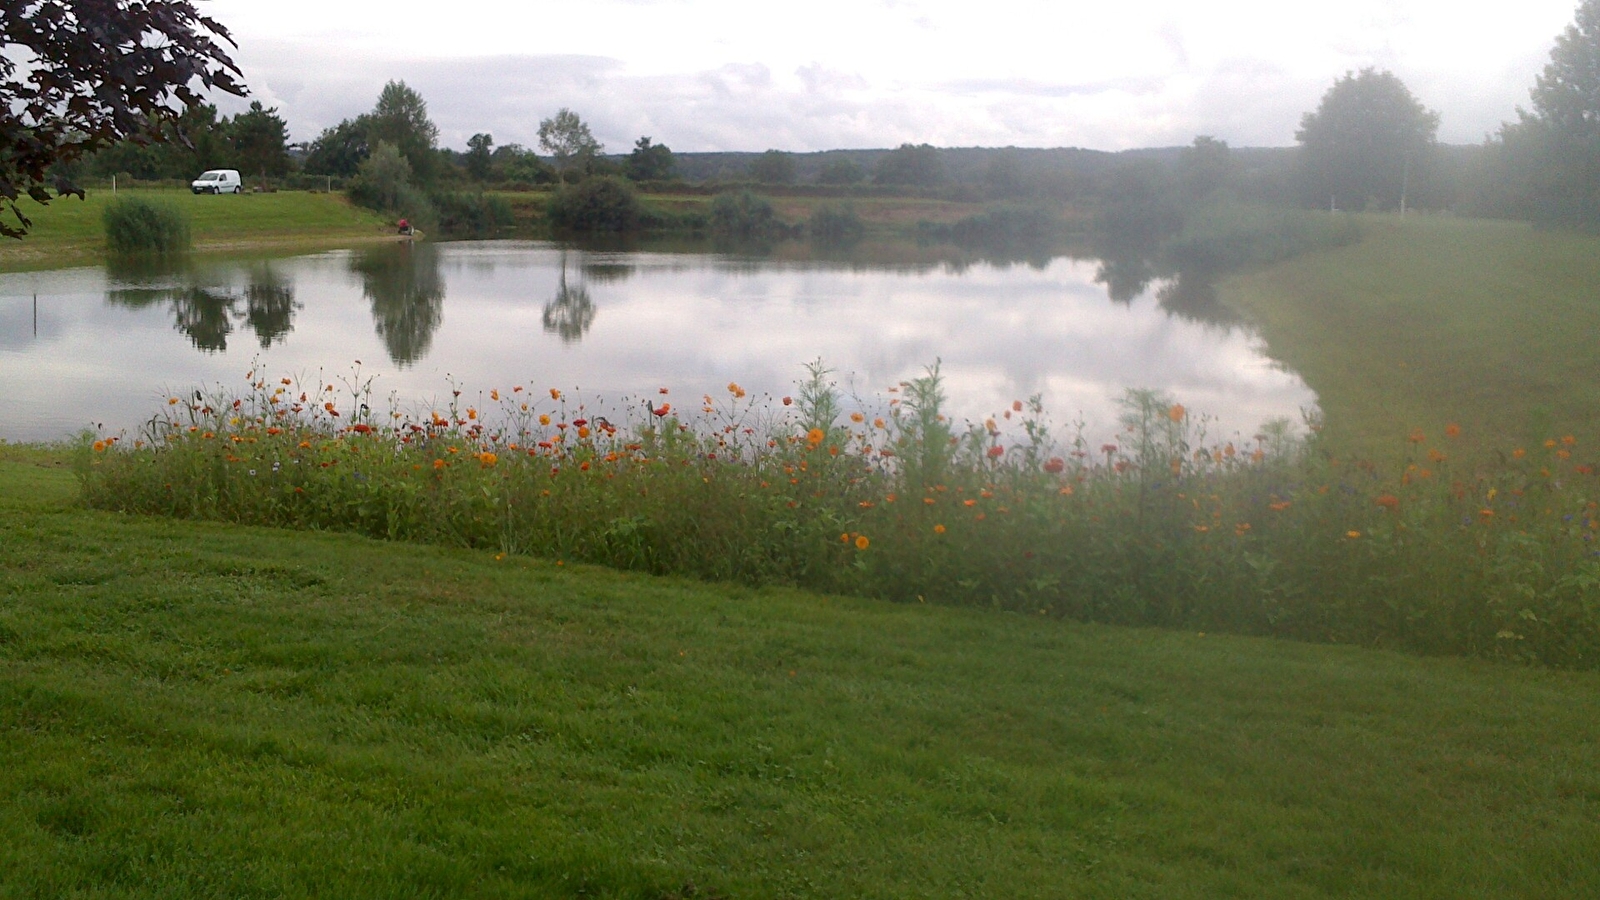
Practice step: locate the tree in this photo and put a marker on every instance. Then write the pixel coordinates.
(567, 138)
(76, 76)
(840, 171)
(650, 162)
(401, 118)
(773, 167)
(911, 165)
(1365, 142)
(1547, 165)
(260, 141)
(1204, 167)
(480, 156)
(340, 150)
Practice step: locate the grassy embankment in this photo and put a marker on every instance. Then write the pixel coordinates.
(1433, 320)
(195, 709)
(882, 216)
(69, 232)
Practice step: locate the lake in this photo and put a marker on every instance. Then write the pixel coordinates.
(102, 347)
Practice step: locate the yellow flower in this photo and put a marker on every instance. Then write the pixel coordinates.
(1352, 535)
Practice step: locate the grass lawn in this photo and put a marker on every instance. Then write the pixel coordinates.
(1435, 320)
(69, 232)
(194, 709)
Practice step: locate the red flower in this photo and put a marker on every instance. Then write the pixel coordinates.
(1055, 465)
(996, 452)
(663, 409)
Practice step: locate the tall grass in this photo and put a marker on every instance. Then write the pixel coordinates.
(142, 226)
(1162, 526)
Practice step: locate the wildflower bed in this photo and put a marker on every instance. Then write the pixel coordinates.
(1271, 535)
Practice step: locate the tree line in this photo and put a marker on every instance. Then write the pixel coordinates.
(1369, 144)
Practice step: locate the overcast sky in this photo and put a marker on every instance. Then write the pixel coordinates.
(744, 75)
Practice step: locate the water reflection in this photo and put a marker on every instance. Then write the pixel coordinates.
(570, 314)
(207, 312)
(403, 283)
(627, 321)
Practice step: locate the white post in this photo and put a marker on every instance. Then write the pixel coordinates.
(113, 185)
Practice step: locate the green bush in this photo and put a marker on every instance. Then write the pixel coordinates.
(744, 215)
(834, 225)
(138, 226)
(473, 215)
(601, 203)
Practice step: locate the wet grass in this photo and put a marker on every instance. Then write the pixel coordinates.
(201, 709)
(1438, 320)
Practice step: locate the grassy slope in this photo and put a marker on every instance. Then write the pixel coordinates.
(193, 709)
(68, 231)
(1429, 321)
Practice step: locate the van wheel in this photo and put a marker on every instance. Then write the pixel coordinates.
(238, 189)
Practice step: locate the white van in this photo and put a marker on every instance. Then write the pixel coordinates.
(218, 181)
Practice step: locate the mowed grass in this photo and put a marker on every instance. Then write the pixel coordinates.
(69, 231)
(197, 709)
(1437, 320)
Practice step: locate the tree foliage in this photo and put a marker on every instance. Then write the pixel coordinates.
(480, 156)
(772, 167)
(1546, 166)
(77, 75)
(1365, 140)
(260, 141)
(401, 118)
(566, 137)
(911, 165)
(650, 162)
(604, 203)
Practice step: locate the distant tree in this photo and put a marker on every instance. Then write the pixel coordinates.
(841, 171)
(480, 156)
(1548, 163)
(384, 179)
(340, 150)
(650, 162)
(76, 76)
(1204, 167)
(401, 118)
(1003, 176)
(260, 142)
(566, 137)
(1365, 141)
(911, 165)
(513, 162)
(772, 167)
(597, 204)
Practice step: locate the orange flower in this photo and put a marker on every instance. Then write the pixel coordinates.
(494, 395)
(815, 436)
(857, 418)
(488, 459)
(1417, 436)
(1016, 406)
(99, 446)
(1388, 501)
(555, 394)
(1177, 413)
(438, 464)
(861, 542)
(1569, 440)
(1518, 453)
(1352, 535)
(938, 529)
(1435, 456)
(1452, 431)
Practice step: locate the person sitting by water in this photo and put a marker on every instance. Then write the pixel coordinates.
(405, 227)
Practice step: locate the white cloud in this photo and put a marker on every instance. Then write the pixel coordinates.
(728, 74)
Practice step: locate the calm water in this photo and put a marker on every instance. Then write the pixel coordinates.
(103, 347)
